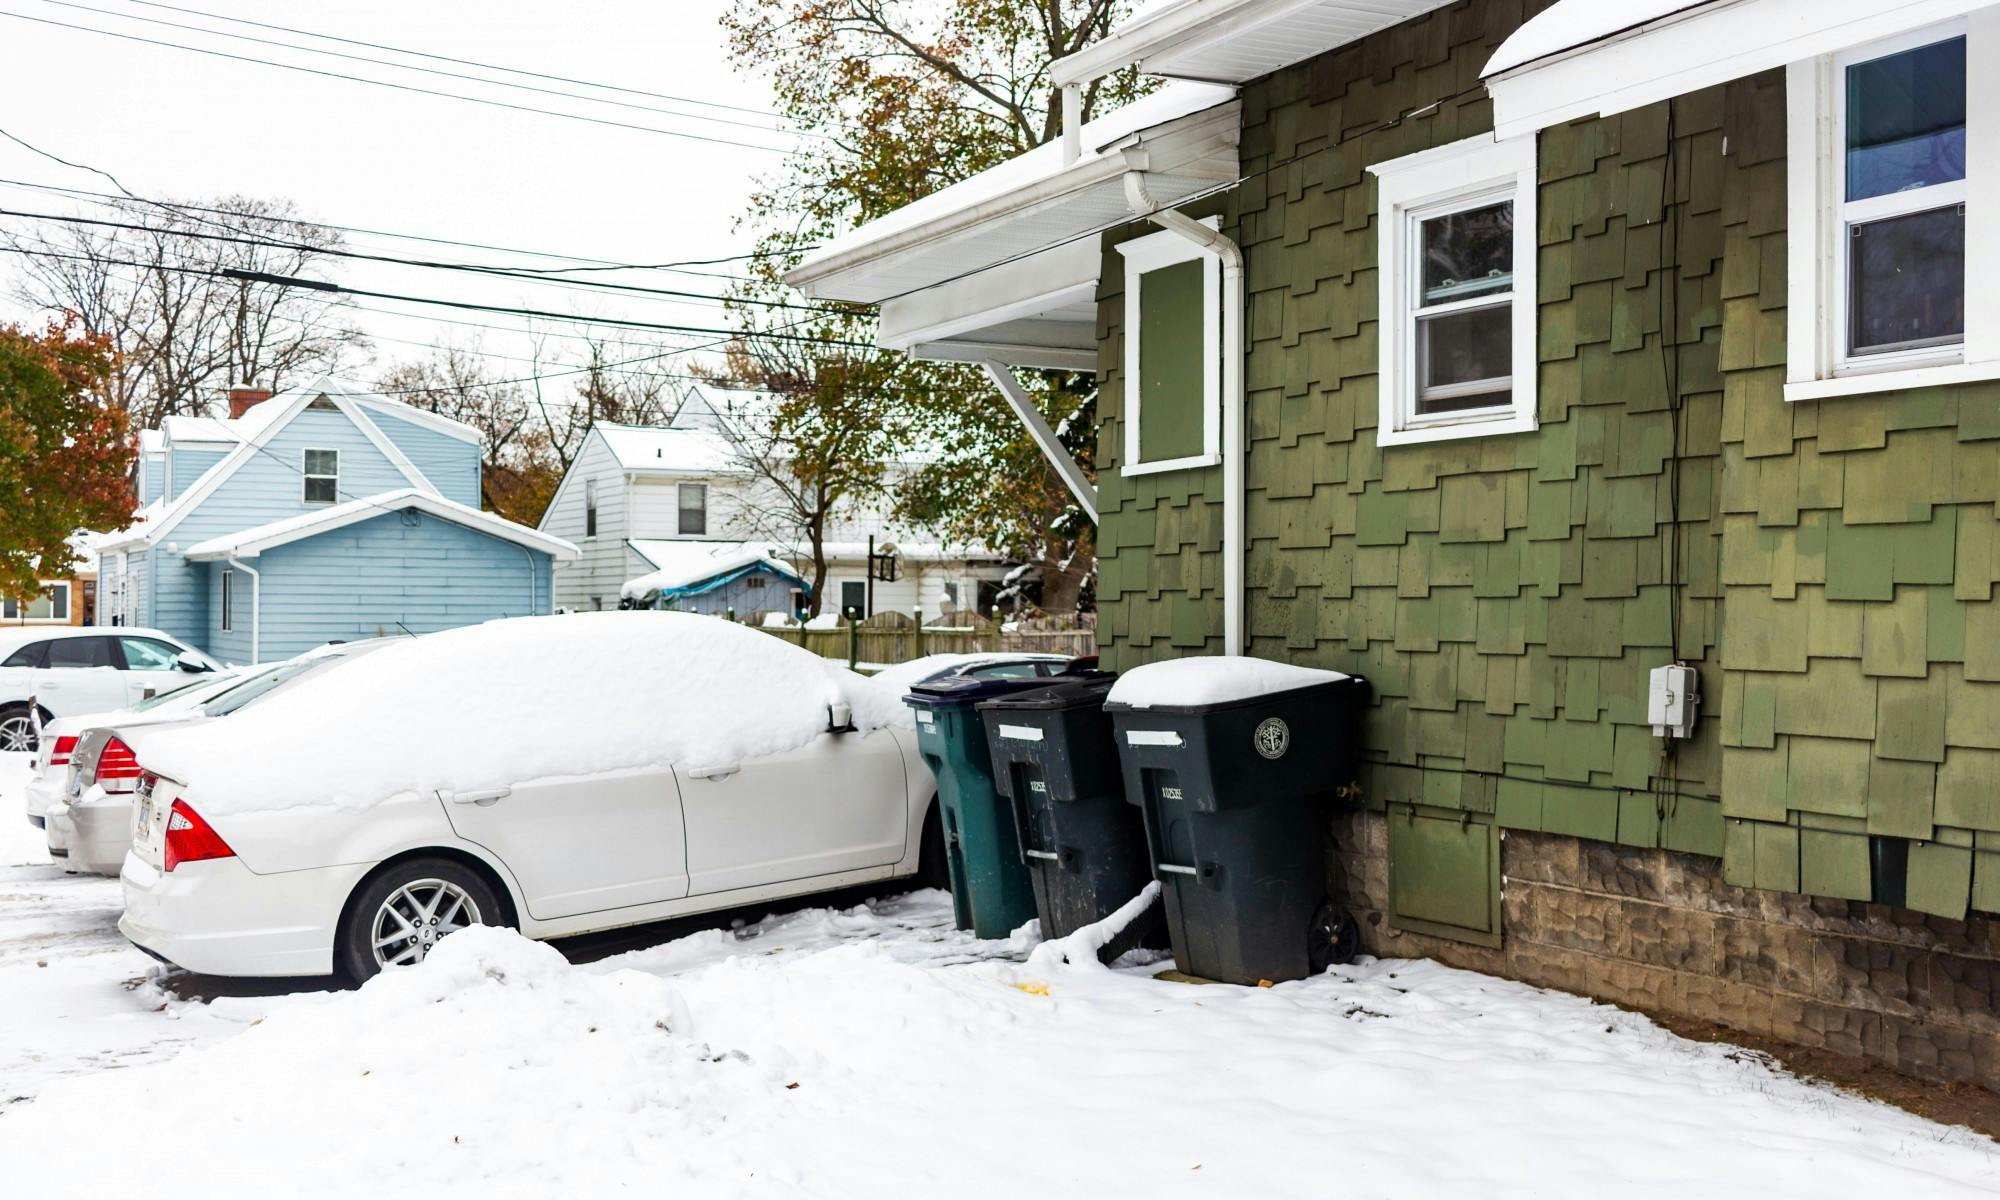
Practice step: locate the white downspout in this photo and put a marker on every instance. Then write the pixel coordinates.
(534, 581)
(256, 607)
(1072, 123)
(1141, 202)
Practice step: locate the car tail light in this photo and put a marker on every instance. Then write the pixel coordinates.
(189, 838)
(65, 745)
(117, 767)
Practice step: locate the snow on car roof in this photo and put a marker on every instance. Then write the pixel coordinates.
(1213, 679)
(511, 701)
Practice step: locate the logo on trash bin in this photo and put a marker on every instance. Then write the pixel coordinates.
(1273, 737)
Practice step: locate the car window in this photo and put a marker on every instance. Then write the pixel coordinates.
(79, 652)
(259, 685)
(31, 655)
(1005, 670)
(145, 654)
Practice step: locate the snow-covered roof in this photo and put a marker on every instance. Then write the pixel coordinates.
(249, 543)
(151, 441)
(1032, 201)
(1231, 40)
(1568, 24)
(665, 448)
(182, 429)
(682, 565)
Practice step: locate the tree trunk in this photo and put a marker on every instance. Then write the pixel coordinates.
(1061, 585)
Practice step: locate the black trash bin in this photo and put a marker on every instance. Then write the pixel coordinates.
(1055, 764)
(990, 891)
(1236, 795)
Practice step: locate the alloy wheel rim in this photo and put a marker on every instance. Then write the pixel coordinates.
(418, 915)
(17, 734)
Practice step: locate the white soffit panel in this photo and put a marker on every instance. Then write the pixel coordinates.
(1234, 41)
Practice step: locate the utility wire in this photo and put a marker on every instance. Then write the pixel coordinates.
(586, 264)
(401, 87)
(320, 285)
(396, 66)
(463, 62)
(635, 289)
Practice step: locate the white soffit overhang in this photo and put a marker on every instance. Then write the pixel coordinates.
(1233, 41)
(1686, 51)
(1038, 311)
(1029, 204)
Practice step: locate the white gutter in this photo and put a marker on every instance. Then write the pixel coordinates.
(256, 606)
(1038, 428)
(1233, 544)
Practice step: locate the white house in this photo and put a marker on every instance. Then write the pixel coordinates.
(634, 498)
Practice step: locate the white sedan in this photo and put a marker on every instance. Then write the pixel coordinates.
(556, 774)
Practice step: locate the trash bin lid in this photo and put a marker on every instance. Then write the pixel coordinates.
(1085, 689)
(960, 691)
(1205, 682)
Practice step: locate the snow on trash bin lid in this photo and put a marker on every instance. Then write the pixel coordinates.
(1213, 679)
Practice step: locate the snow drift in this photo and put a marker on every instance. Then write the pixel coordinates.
(510, 701)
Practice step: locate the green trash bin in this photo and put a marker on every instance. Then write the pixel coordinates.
(990, 891)
(1236, 788)
(1055, 764)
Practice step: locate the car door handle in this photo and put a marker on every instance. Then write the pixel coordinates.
(722, 772)
(484, 797)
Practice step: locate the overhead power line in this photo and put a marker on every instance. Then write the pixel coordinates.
(635, 289)
(320, 285)
(396, 66)
(401, 87)
(463, 62)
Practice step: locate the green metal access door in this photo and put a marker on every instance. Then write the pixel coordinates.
(1444, 874)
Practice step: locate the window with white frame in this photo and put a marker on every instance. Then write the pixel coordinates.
(51, 605)
(321, 469)
(694, 509)
(1456, 279)
(228, 601)
(590, 508)
(1887, 145)
(1173, 354)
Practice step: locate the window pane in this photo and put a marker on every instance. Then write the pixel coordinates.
(80, 652)
(1172, 361)
(320, 490)
(1464, 360)
(1906, 282)
(322, 462)
(145, 654)
(694, 508)
(30, 655)
(1468, 254)
(1906, 120)
(853, 597)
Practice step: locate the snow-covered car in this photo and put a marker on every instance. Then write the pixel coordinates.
(988, 665)
(89, 821)
(555, 774)
(49, 673)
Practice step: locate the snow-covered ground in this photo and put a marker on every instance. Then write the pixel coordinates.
(878, 1052)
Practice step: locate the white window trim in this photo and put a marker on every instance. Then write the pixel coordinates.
(590, 512)
(306, 476)
(58, 614)
(1412, 188)
(1150, 253)
(1817, 366)
(681, 510)
(228, 598)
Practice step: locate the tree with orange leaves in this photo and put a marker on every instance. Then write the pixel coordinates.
(64, 452)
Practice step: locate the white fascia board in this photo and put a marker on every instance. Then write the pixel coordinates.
(1013, 354)
(1184, 146)
(1169, 30)
(1694, 49)
(381, 442)
(421, 416)
(1009, 292)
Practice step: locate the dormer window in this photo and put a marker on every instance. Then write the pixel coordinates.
(322, 476)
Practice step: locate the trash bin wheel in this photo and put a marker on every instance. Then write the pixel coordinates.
(1335, 937)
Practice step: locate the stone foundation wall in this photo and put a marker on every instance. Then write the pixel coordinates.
(1657, 930)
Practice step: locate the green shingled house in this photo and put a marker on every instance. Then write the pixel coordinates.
(1502, 352)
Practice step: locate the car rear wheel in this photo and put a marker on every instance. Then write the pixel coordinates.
(402, 913)
(17, 729)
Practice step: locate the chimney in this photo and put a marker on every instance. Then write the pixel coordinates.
(243, 398)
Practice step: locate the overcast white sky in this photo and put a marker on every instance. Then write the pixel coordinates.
(172, 123)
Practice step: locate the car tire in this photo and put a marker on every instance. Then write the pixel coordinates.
(398, 898)
(17, 729)
(933, 868)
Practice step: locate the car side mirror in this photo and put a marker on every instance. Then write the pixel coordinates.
(839, 718)
(189, 663)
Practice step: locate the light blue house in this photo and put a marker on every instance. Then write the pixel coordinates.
(321, 514)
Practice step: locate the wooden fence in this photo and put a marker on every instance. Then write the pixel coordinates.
(894, 637)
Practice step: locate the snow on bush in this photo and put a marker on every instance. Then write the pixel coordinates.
(1211, 679)
(509, 701)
